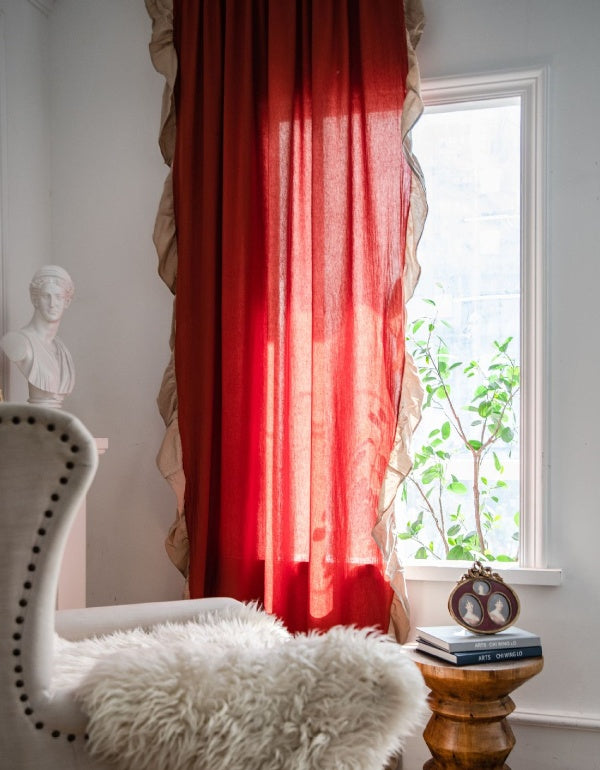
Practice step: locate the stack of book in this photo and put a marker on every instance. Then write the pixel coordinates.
(462, 647)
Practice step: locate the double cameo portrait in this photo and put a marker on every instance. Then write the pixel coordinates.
(482, 602)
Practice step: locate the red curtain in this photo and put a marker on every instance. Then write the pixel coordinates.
(291, 194)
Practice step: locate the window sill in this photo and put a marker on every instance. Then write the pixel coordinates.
(514, 575)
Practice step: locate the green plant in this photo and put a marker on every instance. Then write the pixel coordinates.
(463, 514)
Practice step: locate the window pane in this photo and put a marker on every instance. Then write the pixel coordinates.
(468, 298)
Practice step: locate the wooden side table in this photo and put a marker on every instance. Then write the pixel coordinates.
(468, 728)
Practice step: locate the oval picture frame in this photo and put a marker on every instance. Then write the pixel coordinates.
(482, 602)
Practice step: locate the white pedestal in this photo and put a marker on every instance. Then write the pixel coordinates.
(72, 578)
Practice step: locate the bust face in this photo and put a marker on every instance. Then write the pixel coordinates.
(50, 301)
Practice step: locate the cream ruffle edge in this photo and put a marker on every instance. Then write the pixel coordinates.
(164, 59)
(169, 458)
(409, 412)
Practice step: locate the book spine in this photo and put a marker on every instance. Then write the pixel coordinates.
(496, 645)
(481, 644)
(497, 656)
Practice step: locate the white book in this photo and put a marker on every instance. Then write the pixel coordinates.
(457, 639)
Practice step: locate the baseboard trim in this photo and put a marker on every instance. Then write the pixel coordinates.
(566, 721)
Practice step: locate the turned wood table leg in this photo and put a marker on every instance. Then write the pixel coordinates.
(469, 735)
(468, 728)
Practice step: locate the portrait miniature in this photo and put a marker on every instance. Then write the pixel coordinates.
(482, 602)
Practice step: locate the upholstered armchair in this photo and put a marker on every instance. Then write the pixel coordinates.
(104, 687)
(47, 462)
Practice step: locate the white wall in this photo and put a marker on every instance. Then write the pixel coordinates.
(82, 117)
(107, 176)
(83, 183)
(469, 36)
(24, 151)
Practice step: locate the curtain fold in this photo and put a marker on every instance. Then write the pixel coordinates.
(297, 206)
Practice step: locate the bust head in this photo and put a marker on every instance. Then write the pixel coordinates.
(51, 290)
(36, 349)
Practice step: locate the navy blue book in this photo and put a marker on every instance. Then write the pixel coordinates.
(481, 656)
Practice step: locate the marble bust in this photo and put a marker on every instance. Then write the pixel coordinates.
(37, 351)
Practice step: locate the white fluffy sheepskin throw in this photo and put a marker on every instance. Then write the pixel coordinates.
(235, 691)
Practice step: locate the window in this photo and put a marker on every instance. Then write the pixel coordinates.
(476, 324)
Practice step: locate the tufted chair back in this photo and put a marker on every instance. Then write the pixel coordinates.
(47, 462)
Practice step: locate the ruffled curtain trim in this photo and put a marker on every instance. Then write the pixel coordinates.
(411, 397)
(169, 458)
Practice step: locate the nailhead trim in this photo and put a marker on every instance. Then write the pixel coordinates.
(27, 584)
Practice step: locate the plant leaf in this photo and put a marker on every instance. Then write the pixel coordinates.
(459, 553)
(457, 487)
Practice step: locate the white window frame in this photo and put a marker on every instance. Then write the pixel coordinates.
(529, 86)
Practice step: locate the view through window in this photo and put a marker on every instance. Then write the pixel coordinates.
(461, 500)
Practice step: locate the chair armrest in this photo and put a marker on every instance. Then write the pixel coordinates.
(96, 621)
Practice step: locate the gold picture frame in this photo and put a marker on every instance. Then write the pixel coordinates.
(482, 602)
